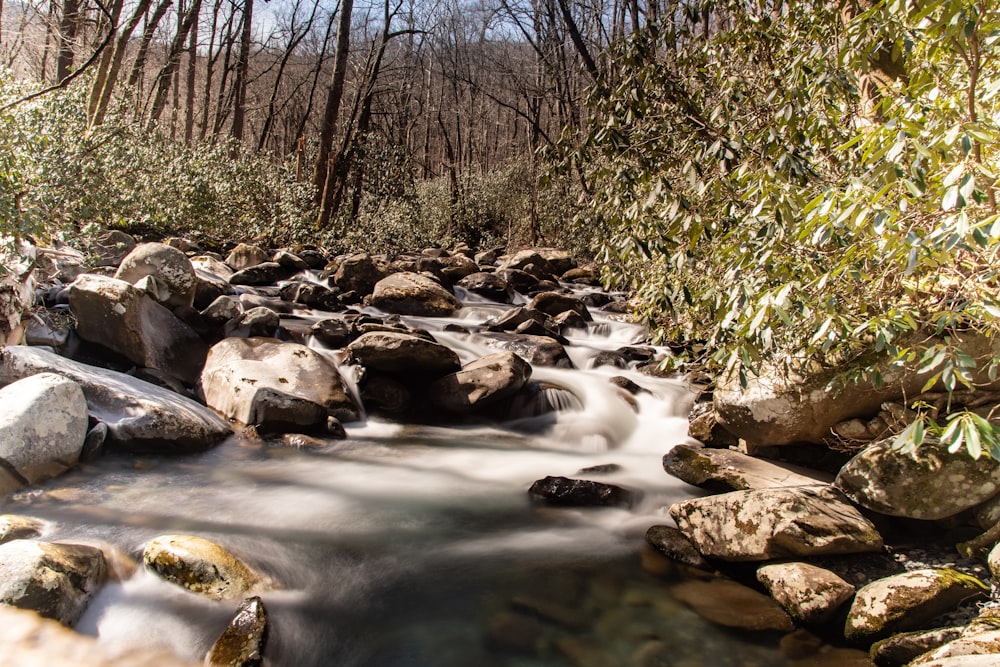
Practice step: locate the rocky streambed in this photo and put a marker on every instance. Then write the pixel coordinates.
(440, 458)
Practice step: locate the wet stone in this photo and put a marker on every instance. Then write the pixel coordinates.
(515, 633)
(16, 527)
(733, 605)
(243, 641)
(673, 544)
(565, 491)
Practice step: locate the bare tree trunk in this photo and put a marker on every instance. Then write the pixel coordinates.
(335, 94)
(147, 37)
(163, 79)
(69, 23)
(209, 71)
(192, 64)
(293, 41)
(242, 69)
(104, 85)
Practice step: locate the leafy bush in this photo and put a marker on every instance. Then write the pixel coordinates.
(59, 178)
(808, 186)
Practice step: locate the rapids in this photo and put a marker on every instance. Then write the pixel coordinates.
(409, 545)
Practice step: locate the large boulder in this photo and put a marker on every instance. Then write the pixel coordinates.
(488, 285)
(906, 601)
(43, 423)
(554, 303)
(480, 383)
(120, 317)
(17, 527)
(245, 255)
(810, 594)
(201, 566)
(274, 385)
(399, 353)
(55, 580)
(787, 404)
(727, 470)
(413, 294)
(168, 273)
(765, 524)
(140, 416)
(356, 273)
(929, 483)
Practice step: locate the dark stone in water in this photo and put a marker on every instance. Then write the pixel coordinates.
(581, 493)
(602, 469)
(242, 642)
(332, 333)
(623, 382)
(609, 359)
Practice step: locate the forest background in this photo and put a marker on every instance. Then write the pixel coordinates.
(807, 183)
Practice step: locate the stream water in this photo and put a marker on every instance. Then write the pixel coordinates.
(409, 545)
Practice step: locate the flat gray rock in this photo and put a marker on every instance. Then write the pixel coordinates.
(724, 469)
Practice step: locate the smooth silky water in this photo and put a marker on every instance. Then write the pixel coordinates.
(408, 545)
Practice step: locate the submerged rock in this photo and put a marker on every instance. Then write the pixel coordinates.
(201, 566)
(242, 642)
(906, 601)
(902, 648)
(43, 424)
(733, 605)
(929, 483)
(55, 580)
(141, 417)
(775, 523)
(673, 544)
(581, 493)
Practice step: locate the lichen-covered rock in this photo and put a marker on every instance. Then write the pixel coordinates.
(581, 493)
(727, 470)
(993, 562)
(984, 660)
(980, 637)
(173, 279)
(810, 594)
(140, 417)
(274, 385)
(201, 566)
(395, 352)
(930, 483)
(902, 648)
(764, 524)
(408, 293)
(113, 313)
(905, 601)
(733, 605)
(242, 642)
(480, 383)
(43, 423)
(55, 580)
